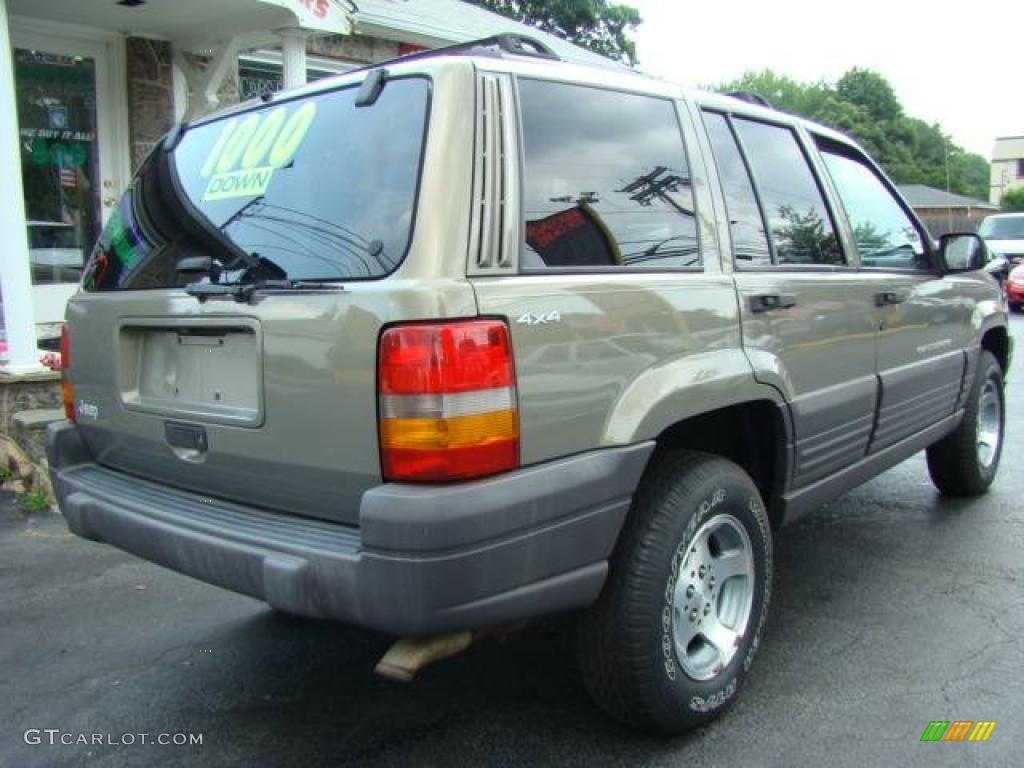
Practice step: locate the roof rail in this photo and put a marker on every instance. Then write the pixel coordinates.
(751, 98)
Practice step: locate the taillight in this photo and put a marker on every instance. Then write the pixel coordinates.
(66, 391)
(447, 401)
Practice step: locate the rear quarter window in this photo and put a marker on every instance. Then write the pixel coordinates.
(606, 180)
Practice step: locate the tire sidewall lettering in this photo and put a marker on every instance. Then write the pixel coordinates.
(709, 703)
(704, 509)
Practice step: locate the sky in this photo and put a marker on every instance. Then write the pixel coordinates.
(958, 64)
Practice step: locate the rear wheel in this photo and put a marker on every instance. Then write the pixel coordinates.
(964, 463)
(668, 643)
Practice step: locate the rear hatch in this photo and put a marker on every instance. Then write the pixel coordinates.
(225, 338)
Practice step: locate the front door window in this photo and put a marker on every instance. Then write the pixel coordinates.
(56, 96)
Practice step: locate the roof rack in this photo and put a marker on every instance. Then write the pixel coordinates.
(519, 45)
(751, 98)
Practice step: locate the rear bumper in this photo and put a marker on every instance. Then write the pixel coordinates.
(424, 559)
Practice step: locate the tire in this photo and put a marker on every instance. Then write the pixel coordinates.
(959, 464)
(626, 642)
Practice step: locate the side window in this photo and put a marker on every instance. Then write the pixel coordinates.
(606, 180)
(749, 239)
(800, 226)
(886, 236)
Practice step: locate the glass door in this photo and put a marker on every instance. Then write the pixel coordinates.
(64, 125)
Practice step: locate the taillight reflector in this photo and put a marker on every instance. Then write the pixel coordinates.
(447, 401)
(66, 391)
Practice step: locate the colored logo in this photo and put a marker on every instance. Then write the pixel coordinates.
(958, 730)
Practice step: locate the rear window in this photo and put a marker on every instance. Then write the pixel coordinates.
(308, 189)
(1002, 228)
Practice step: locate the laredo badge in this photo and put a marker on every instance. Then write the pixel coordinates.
(243, 161)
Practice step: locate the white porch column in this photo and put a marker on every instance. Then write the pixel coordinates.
(293, 58)
(15, 277)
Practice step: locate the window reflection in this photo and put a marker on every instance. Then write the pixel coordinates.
(606, 180)
(885, 234)
(56, 100)
(749, 238)
(801, 228)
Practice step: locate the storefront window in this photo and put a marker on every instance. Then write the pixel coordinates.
(56, 98)
(258, 77)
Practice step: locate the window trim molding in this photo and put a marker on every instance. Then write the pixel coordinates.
(769, 240)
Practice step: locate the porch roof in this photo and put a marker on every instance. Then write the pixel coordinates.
(196, 26)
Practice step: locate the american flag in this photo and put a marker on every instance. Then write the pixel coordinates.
(68, 177)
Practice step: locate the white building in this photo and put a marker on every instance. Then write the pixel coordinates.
(1007, 166)
(87, 87)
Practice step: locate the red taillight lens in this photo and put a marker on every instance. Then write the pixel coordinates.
(457, 357)
(447, 401)
(66, 391)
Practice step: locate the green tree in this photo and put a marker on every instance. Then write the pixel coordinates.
(871, 91)
(597, 25)
(1013, 200)
(863, 105)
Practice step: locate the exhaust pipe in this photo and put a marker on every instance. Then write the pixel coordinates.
(409, 655)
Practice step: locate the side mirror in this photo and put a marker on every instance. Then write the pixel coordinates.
(962, 252)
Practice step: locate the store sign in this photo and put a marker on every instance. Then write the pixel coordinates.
(318, 8)
(323, 15)
(248, 152)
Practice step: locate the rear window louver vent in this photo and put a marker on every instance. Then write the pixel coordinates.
(493, 232)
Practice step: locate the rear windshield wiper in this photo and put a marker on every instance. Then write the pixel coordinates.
(243, 292)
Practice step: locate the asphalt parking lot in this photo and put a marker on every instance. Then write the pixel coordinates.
(892, 607)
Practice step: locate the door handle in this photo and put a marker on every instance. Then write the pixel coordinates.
(887, 298)
(766, 302)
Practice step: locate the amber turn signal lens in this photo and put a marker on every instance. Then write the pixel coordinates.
(66, 390)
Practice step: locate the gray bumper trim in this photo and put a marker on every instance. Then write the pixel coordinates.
(424, 559)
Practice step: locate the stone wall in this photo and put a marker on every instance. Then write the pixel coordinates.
(27, 405)
(150, 94)
(365, 50)
(39, 391)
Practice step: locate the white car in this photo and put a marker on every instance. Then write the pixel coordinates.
(1004, 235)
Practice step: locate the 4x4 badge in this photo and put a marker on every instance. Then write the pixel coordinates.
(530, 318)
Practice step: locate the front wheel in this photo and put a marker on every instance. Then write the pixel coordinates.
(668, 643)
(964, 462)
